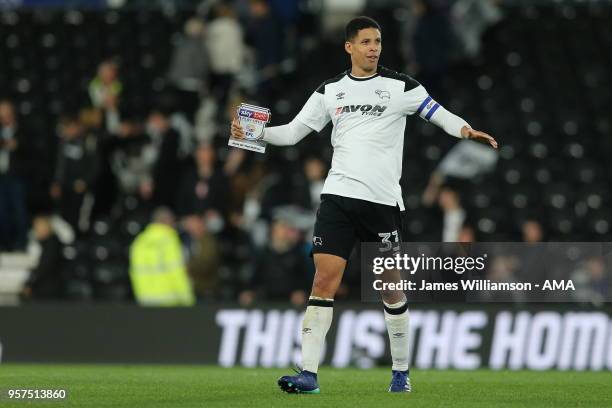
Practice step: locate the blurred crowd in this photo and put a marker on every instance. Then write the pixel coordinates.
(193, 219)
(160, 170)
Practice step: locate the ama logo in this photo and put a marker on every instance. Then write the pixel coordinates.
(366, 110)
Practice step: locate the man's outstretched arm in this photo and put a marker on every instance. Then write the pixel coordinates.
(418, 101)
(285, 135)
(313, 116)
(455, 126)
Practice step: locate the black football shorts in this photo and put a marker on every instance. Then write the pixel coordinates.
(343, 221)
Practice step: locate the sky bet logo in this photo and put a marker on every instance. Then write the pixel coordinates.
(253, 115)
(366, 110)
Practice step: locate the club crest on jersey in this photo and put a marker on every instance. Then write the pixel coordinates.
(365, 110)
(383, 94)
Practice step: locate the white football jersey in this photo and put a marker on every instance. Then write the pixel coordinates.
(369, 120)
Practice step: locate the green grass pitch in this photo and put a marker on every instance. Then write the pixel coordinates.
(207, 386)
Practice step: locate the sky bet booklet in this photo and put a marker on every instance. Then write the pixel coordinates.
(253, 120)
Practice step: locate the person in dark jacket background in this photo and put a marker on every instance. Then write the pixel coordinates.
(204, 187)
(167, 168)
(45, 281)
(189, 66)
(432, 42)
(75, 170)
(280, 273)
(266, 36)
(13, 214)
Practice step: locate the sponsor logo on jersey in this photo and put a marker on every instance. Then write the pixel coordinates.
(365, 110)
(383, 94)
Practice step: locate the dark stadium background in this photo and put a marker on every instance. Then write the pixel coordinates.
(534, 74)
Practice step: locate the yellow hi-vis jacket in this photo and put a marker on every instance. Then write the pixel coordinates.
(157, 269)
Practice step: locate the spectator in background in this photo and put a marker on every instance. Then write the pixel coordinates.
(502, 269)
(224, 33)
(471, 18)
(531, 255)
(103, 186)
(281, 270)
(466, 234)
(204, 188)
(454, 214)
(431, 41)
(591, 281)
(467, 160)
(131, 155)
(45, 281)
(266, 36)
(13, 153)
(157, 268)
(75, 169)
(532, 231)
(202, 256)
(106, 85)
(287, 12)
(315, 171)
(105, 92)
(189, 67)
(163, 185)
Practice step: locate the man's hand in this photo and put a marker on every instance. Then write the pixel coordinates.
(236, 130)
(469, 133)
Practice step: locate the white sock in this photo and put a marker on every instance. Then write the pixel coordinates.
(397, 319)
(316, 323)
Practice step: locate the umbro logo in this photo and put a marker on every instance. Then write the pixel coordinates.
(383, 94)
(340, 95)
(317, 241)
(398, 335)
(306, 330)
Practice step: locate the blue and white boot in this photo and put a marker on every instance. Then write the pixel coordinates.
(304, 382)
(400, 382)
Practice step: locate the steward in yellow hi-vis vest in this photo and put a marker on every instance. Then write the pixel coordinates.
(157, 269)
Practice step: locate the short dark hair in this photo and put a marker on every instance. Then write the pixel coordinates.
(359, 23)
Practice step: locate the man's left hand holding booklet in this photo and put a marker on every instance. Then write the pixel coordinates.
(252, 120)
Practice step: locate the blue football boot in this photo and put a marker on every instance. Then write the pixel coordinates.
(304, 382)
(400, 382)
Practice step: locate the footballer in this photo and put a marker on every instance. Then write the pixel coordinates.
(361, 199)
